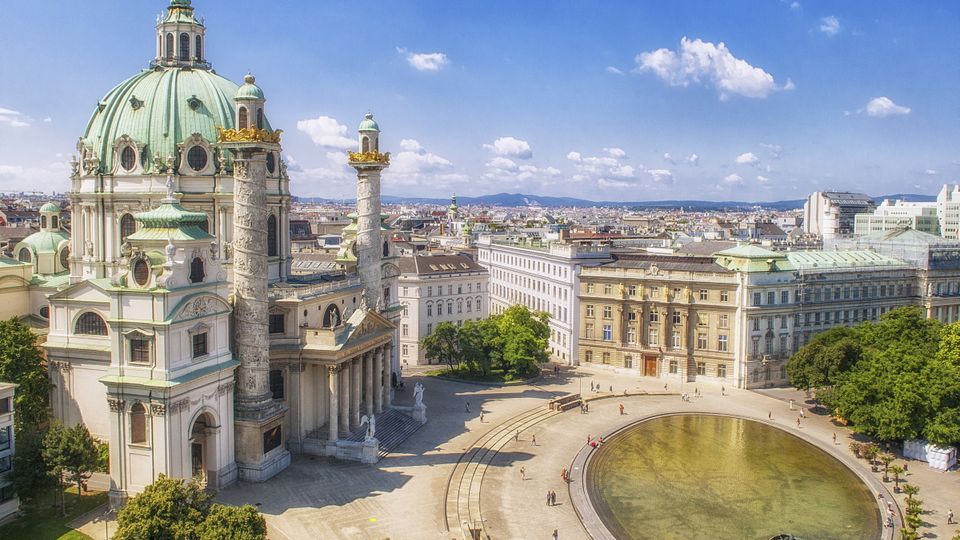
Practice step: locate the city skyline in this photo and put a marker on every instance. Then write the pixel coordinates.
(597, 102)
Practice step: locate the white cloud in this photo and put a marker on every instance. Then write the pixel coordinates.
(425, 61)
(693, 160)
(733, 179)
(292, 164)
(795, 6)
(661, 176)
(54, 176)
(47, 120)
(606, 170)
(762, 179)
(615, 71)
(511, 147)
(698, 61)
(830, 25)
(617, 153)
(669, 159)
(326, 131)
(411, 145)
(506, 171)
(747, 158)
(776, 151)
(930, 172)
(13, 118)
(883, 106)
(502, 163)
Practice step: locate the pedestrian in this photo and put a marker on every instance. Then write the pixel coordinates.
(587, 405)
(834, 438)
(553, 497)
(588, 439)
(770, 415)
(481, 417)
(906, 466)
(723, 390)
(516, 436)
(534, 438)
(801, 413)
(949, 516)
(664, 387)
(621, 409)
(548, 497)
(798, 422)
(791, 404)
(556, 534)
(468, 406)
(611, 388)
(563, 474)
(523, 473)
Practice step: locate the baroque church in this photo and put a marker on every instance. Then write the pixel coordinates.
(176, 331)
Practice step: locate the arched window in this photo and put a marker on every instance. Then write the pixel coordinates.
(449, 307)
(169, 46)
(469, 305)
(127, 226)
(440, 308)
(24, 255)
(138, 424)
(242, 121)
(365, 144)
(54, 222)
(43, 222)
(331, 317)
(199, 49)
(45, 312)
(128, 158)
(184, 47)
(141, 272)
(196, 270)
(65, 258)
(197, 158)
(272, 236)
(271, 163)
(90, 324)
(260, 118)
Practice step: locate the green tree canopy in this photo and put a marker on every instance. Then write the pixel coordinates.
(71, 450)
(442, 344)
(818, 363)
(172, 509)
(22, 363)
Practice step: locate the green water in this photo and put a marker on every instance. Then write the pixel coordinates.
(718, 477)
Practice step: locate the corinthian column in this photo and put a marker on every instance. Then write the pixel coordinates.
(250, 282)
(355, 392)
(368, 382)
(332, 376)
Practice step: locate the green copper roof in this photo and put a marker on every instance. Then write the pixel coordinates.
(45, 241)
(7, 261)
(160, 108)
(170, 221)
(180, 11)
(822, 260)
(749, 251)
(752, 258)
(50, 208)
(249, 90)
(368, 124)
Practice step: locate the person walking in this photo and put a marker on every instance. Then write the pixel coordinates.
(556, 534)
(798, 422)
(664, 387)
(834, 438)
(548, 497)
(523, 473)
(621, 409)
(468, 407)
(770, 415)
(516, 436)
(801, 413)
(534, 439)
(481, 417)
(723, 390)
(949, 516)
(553, 498)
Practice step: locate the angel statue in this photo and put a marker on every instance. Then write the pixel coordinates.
(371, 422)
(418, 395)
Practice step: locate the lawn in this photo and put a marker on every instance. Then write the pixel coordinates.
(43, 520)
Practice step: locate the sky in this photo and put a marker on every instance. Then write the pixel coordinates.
(620, 101)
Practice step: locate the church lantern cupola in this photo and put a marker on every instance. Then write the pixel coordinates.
(180, 37)
(369, 134)
(249, 102)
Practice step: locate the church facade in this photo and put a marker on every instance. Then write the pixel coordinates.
(176, 331)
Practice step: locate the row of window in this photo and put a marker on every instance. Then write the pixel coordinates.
(184, 47)
(529, 264)
(514, 296)
(654, 292)
(832, 293)
(449, 289)
(653, 316)
(460, 306)
(653, 337)
(535, 285)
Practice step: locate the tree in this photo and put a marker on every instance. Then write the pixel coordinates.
(911, 490)
(473, 350)
(22, 363)
(886, 459)
(232, 523)
(896, 471)
(442, 344)
(31, 473)
(72, 451)
(818, 363)
(172, 509)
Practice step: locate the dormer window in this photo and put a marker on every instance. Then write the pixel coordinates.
(128, 158)
(197, 158)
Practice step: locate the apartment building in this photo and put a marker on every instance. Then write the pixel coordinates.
(9, 503)
(435, 289)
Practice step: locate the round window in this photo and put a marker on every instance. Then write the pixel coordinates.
(197, 158)
(271, 163)
(141, 272)
(128, 158)
(65, 258)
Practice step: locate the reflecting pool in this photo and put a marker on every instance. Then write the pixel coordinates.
(718, 477)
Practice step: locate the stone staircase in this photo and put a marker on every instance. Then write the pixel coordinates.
(393, 427)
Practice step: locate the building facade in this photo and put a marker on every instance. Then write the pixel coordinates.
(9, 503)
(544, 276)
(921, 216)
(831, 214)
(436, 289)
(738, 316)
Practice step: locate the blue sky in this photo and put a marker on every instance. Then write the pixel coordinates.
(757, 100)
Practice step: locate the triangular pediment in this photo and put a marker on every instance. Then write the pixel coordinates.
(94, 290)
(363, 322)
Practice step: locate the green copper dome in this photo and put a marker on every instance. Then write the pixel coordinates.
(45, 241)
(50, 208)
(159, 108)
(249, 90)
(368, 124)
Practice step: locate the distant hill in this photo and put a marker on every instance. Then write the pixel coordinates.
(517, 200)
